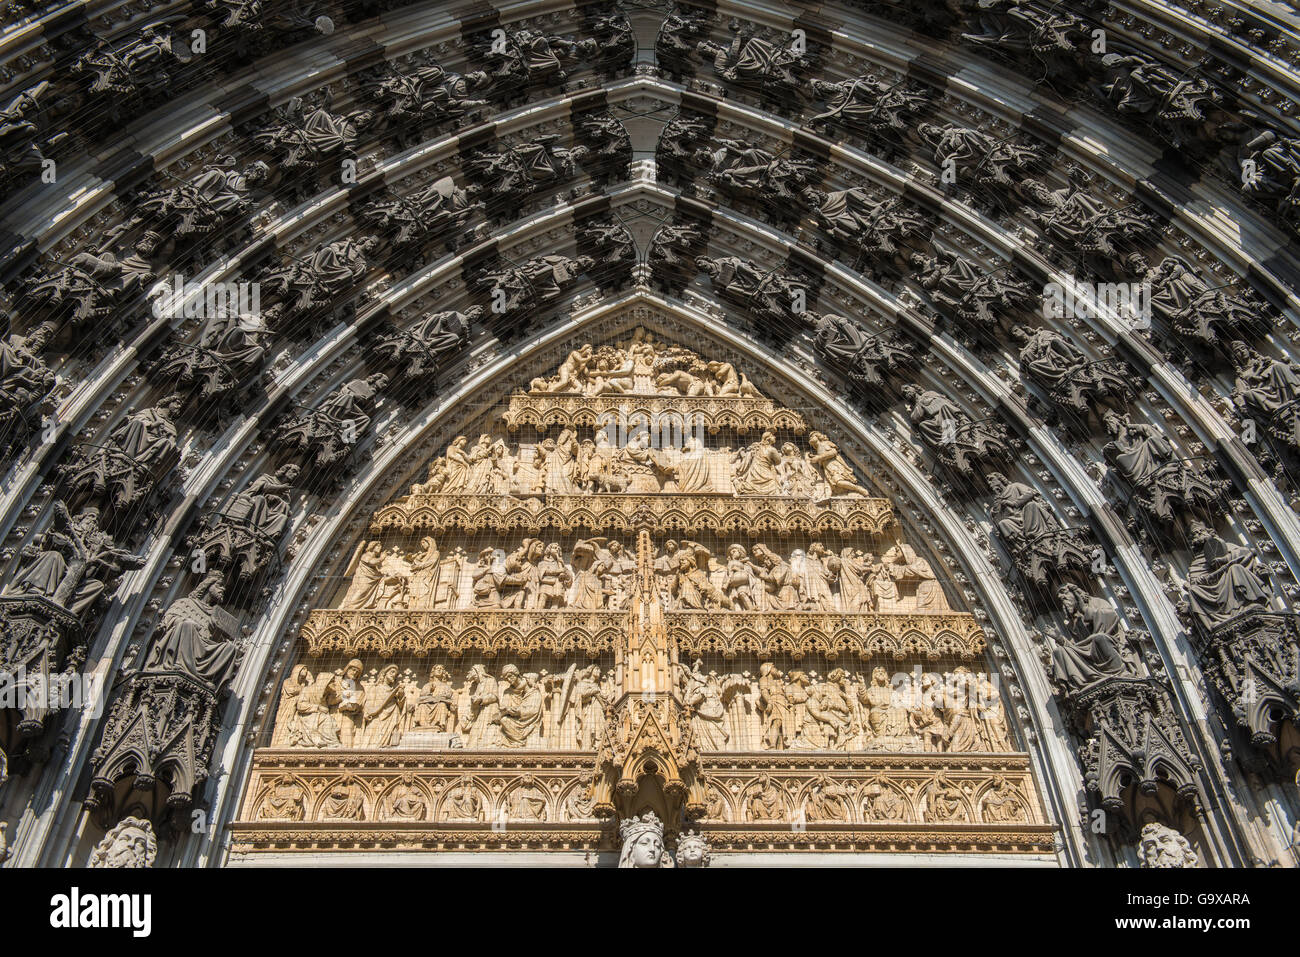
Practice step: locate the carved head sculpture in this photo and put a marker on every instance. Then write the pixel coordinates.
(1240, 352)
(996, 481)
(130, 844)
(1113, 421)
(1164, 847)
(693, 850)
(510, 675)
(257, 173)
(911, 393)
(1021, 333)
(736, 552)
(879, 677)
(643, 842)
(1198, 533)
(353, 670)
(288, 473)
(389, 675)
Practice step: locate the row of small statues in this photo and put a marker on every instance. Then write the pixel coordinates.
(565, 465)
(599, 574)
(955, 712)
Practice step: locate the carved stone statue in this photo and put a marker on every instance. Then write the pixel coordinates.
(1269, 389)
(1073, 217)
(511, 173)
(440, 210)
(1173, 101)
(430, 341)
(1162, 846)
(970, 294)
(228, 353)
(673, 252)
(188, 641)
(643, 842)
(1223, 580)
(125, 469)
(534, 284)
(317, 284)
(693, 850)
(881, 232)
(958, 442)
(91, 286)
(246, 534)
(1274, 173)
(303, 136)
(984, 163)
(217, 196)
(131, 843)
(1065, 373)
(338, 425)
(1039, 546)
(1163, 484)
(867, 104)
(25, 383)
(1210, 316)
(776, 69)
(1088, 653)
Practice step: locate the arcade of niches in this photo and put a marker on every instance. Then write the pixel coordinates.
(650, 434)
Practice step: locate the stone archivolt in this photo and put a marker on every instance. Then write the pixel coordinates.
(618, 670)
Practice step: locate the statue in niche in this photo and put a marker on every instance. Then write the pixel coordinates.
(330, 274)
(131, 66)
(1268, 388)
(738, 168)
(755, 61)
(513, 171)
(643, 842)
(1036, 540)
(430, 341)
(536, 282)
(945, 801)
(230, 349)
(768, 296)
(1161, 846)
(1146, 459)
(774, 707)
(672, 253)
(527, 802)
(202, 205)
(94, 283)
(25, 381)
(780, 591)
(386, 706)
(950, 434)
(482, 722)
(405, 802)
(839, 476)
(284, 801)
(440, 209)
(1171, 100)
(1003, 802)
(1061, 368)
(882, 803)
(867, 104)
(304, 718)
(826, 802)
(1193, 309)
(1276, 165)
(864, 356)
(130, 843)
(125, 469)
(879, 230)
(189, 642)
(703, 695)
(345, 800)
(338, 425)
(25, 135)
(767, 802)
(1088, 652)
(970, 293)
(1073, 217)
(72, 563)
(302, 136)
(247, 532)
(1223, 580)
(425, 94)
(435, 708)
(463, 802)
(884, 716)
(352, 702)
(987, 161)
(520, 707)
